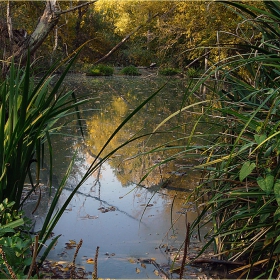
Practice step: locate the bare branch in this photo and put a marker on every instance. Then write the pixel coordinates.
(77, 7)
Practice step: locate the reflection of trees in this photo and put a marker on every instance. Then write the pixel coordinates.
(115, 106)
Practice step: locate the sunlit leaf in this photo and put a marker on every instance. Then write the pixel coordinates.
(90, 261)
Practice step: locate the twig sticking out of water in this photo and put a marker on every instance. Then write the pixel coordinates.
(73, 265)
(3, 255)
(94, 273)
(35, 251)
(186, 246)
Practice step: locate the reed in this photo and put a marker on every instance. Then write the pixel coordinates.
(73, 265)
(94, 273)
(239, 161)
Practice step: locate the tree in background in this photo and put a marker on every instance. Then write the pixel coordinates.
(172, 33)
(17, 42)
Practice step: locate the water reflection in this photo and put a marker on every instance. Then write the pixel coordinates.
(127, 220)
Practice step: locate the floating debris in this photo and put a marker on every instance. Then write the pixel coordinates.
(106, 209)
(137, 270)
(71, 244)
(89, 217)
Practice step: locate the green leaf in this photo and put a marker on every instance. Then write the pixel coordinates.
(276, 215)
(277, 191)
(266, 184)
(14, 224)
(259, 138)
(246, 170)
(3, 231)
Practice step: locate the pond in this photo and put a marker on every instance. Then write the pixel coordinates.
(138, 227)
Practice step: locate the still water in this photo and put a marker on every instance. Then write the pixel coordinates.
(128, 221)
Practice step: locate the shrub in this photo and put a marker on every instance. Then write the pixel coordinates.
(101, 70)
(130, 71)
(15, 242)
(192, 72)
(169, 71)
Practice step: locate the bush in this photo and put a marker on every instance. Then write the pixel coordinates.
(130, 71)
(192, 72)
(15, 242)
(169, 71)
(101, 70)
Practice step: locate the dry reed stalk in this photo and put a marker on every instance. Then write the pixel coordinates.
(2, 253)
(94, 273)
(33, 263)
(73, 265)
(186, 246)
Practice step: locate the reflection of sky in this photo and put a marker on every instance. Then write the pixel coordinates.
(128, 232)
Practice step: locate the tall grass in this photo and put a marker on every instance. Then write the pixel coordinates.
(240, 168)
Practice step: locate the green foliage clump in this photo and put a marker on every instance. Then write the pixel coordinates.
(101, 70)
(169, 71)
(130, 71)
(15, 243)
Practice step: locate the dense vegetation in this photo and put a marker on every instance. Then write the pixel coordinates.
(240, 169)
(169, 33)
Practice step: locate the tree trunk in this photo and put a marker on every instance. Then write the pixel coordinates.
(46, 23)
(20, 47)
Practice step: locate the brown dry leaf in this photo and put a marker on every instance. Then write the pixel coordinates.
(54, 264)
(131, 260)
(153, 259)
(65, 268)
(156, 272)
(143, 265)
(137, 270)
(71, 244)
(90, 261)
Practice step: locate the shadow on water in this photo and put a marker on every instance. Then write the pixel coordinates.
(136, 226)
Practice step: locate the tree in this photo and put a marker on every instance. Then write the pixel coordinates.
(17, 43)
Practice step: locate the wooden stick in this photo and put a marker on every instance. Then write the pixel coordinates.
(186, 246)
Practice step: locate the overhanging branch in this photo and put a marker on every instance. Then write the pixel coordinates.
(76, 7)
